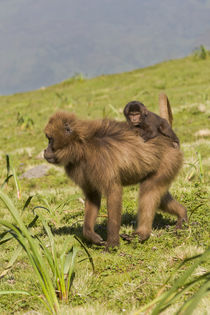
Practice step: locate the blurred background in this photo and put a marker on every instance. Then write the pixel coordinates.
(45, 42)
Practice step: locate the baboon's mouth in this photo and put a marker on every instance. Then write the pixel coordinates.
(51, 160)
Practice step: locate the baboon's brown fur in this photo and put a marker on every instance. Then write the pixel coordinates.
(101, 156)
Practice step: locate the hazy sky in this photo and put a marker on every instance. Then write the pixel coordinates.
(46, 41)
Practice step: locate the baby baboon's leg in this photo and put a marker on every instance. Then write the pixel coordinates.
(114, 207)
(170, 205)
(151, 192)
(92, 206)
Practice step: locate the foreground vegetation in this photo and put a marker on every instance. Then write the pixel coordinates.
(127, 279)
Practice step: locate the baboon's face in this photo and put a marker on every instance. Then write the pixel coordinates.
(135, 118)
(59, 135)
(49, 152)
(135, 112)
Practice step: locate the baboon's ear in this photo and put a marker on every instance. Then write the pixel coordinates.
(67, 128)
(145, 111)
(126, 110)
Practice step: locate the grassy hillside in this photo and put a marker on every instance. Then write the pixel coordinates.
(130, 277)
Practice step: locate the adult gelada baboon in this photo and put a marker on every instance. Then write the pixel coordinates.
(101, 156)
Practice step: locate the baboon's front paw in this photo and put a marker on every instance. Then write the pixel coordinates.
(93, 238)
(180, 221)
(97, 239)
(142, 235)
(126, 237)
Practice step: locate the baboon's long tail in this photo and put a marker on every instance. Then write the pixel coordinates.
(165, 108)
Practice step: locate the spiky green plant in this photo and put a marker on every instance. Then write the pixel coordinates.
(56, 283)
(11, 172)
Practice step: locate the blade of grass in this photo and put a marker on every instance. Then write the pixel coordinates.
(69, 268)
(33, 255)
(6, 181)
(37, 262)
(175, 296)
(17, 183)
(59, 276)
(17, 251)
(114, 110)
(87, 252)
(200, 167)
(164, 299)
(8, 164)
(14, 292)
(191, 304)
(11, 262)
(167, 296)
(27, 293)
(27, 203)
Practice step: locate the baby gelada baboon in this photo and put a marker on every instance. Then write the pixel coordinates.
(148, 124)
(101, 156)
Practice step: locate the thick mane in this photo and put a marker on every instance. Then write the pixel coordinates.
(110, 129)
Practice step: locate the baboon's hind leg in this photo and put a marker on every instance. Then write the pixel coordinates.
(170, 205)
(151, 192)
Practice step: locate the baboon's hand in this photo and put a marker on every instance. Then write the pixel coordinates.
(126, 237)
(93, 237)
(180, 221)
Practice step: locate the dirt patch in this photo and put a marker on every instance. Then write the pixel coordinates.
(203, 133)
(36, 172)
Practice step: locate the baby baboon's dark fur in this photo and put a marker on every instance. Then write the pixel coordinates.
(148, 124)
(101, 156)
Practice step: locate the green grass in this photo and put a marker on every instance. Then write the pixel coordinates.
(126, 279)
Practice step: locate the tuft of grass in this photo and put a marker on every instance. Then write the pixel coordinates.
(200, 53)
(41, 258)
(24, 122)
(11, 172)
(196, 168)
(181, 286)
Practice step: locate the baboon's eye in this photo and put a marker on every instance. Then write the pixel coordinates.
(50, 139)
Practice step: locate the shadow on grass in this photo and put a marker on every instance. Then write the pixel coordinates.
(160, 222)
(77, 230)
